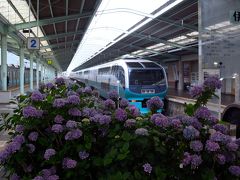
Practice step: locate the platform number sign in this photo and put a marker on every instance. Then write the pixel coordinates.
(33, 43)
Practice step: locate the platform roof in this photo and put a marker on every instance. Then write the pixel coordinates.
(62, 24)
(165, 37)
(162, 34)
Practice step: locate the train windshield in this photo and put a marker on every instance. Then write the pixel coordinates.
(146, 77)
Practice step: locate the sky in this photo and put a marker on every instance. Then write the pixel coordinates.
(14, 59)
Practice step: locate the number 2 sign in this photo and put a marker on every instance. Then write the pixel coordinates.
(33, 43)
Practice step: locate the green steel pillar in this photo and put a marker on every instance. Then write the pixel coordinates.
(4, 62)
(21, 57)
(31, 73)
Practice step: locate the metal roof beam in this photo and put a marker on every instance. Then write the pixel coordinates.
(43, 22)
(60, 44)
(172, 22)
(55, 36)
(159, 40)
(151, 51)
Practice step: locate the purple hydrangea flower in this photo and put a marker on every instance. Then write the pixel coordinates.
(104, 119)
(31, 111)
(74, 112)
(187, 159)
(212, 146)
(4, 155)
(60, 81)
(53, 177)
(212, 82)
(147, 168)
(196, 160)
(123, 103)
(38, 178)
(33, 136)
(73, 99)
(37, 96)
(202, 113)
(220, 159)
(237, 141)
(109, 104)
(134, 111)
(79, 90)
(220, 127)
(14, 177)
(232, 146)
(130, 123)
(49, 153)
(219, 137)
(196, 91)
(19, 128)
(141, 132)
(13, 147)
(58, 119)
(154, 103)
(234, 170)
(162, 122)
(88, 90)
(69, 163)
(230, 157)
(71, 124)
(57, 128)
(120, 114)
(176, 123)
(19, 139)
(49, 85)
(190, 133)
(113, 95)
(195, 123)
(155, 116)
(46, 173)
(89, 112)
(212, 120)
(59, 103)
(83, 155)
(31, 148)
(73, 134)
(196, 146)
(70, 93)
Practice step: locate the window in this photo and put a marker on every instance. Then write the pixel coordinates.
(104, 71)
(146, 77)
(134, 65)
(150, 65)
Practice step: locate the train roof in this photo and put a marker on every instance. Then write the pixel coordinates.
(130, 63)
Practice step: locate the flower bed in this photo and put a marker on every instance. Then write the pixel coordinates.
(62, 132)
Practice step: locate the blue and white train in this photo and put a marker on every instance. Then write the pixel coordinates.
(135, 79)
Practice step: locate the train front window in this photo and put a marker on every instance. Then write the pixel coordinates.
(146, 77)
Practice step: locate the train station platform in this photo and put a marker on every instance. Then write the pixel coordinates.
(226, 99)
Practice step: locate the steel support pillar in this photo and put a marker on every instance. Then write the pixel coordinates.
(200, 53)
(37, 73)
(180, 70)
(21, 57)
(31, 73)
(4, 62)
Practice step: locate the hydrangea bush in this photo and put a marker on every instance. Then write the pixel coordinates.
(67, 132)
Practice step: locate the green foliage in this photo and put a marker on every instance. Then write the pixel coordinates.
(116, 151)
